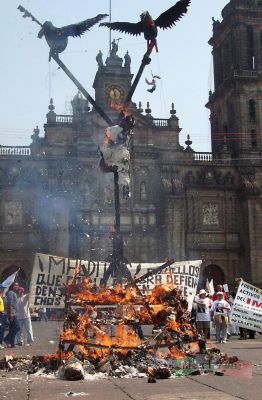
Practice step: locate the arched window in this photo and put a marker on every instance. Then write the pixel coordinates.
(250, 47)
(143, 192)
(214, 272)
(254, 142)
(252, 110)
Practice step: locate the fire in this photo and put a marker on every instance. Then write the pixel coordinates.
(96, 333)
(176, 353)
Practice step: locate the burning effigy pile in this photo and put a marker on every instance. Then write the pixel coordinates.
(102, 336)
(102, 333)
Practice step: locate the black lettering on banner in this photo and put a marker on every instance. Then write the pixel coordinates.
(53, 262)
(195, 283)
(69, 268)
(189, 281)
(58, 280)
(89, 269)
(50, 301)
(36, 301)
(40, 280)
(182, 280)
(158, 279)
(169, 279)
(38, 290)
(150, 279)
(50, 280)
(57, 301)
(191, 270)
(44, 290)
(52, 292)
(197, 271)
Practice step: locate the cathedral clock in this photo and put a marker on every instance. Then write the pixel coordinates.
(115, 93)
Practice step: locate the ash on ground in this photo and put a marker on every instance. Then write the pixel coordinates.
(131, 365)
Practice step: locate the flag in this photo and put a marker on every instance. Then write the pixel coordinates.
(210, 287)
(9, 281)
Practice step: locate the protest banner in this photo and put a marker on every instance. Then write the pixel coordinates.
(247, 307)
(51, 273)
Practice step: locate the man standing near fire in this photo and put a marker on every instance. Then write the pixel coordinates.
(24, 318)
(11, 310)
(202, 305)
(219, 313)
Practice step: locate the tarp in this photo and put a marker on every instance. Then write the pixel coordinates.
(247, 307)
(50, 273)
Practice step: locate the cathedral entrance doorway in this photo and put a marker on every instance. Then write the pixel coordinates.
(214, 272)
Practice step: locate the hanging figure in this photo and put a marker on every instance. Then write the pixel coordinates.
(148, 26)
(152, 83)
(57, 38)
(115, 152)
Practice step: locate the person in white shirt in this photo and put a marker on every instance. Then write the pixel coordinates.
(202, 305)
(219, 313)
(24, 318)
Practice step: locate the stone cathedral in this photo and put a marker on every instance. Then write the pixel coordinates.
(184, 204)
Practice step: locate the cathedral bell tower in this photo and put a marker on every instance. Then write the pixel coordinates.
(113, 79)
(236, 103)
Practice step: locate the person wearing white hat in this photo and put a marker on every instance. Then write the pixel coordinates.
(202, 305)
(219, 313)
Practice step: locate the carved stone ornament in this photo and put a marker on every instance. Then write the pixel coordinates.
(13, 213)
(210, 214)
(251, 185)
(167, 185)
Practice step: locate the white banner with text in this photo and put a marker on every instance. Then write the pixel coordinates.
(51, 273)
(247, 307)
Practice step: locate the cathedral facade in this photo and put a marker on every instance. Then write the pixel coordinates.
(183, 204)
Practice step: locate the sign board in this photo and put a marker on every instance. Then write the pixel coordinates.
(50, 273)
(247, 307)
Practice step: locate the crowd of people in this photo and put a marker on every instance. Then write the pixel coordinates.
(14, 317)
(214, 310)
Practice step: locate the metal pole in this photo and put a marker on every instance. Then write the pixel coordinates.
(110, 19)
(117, 203)
(98, 109)
(145, 61)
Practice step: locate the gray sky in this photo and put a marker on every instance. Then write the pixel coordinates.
(27, 81)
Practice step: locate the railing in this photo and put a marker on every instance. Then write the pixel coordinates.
(245, 73)
(15, 151)
(64, 119)
(204, 156)
(160, 122)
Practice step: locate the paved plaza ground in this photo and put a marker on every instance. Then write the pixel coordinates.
(20, 386)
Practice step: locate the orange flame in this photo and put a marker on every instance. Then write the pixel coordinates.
(131, 308)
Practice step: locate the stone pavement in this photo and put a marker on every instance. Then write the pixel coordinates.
(20, 386)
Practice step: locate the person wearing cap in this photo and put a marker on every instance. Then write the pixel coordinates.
(2, 314)
(24, 318)
(202, 305)
(220, 289)
(219, 313)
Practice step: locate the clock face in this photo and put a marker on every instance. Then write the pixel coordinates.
(115, 93)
